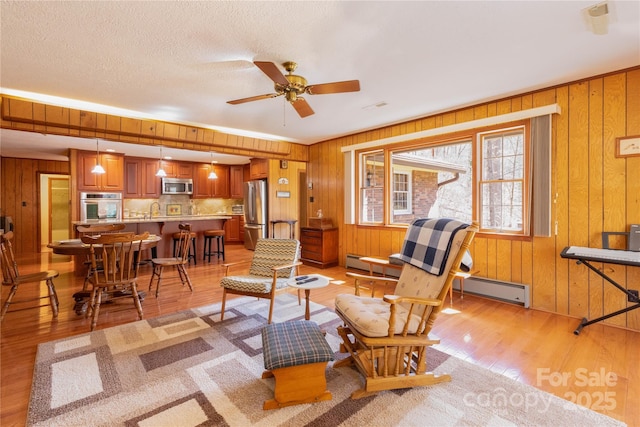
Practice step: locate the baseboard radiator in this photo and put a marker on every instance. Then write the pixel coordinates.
(515, 293)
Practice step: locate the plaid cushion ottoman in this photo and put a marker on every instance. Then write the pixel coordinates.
(296, 354)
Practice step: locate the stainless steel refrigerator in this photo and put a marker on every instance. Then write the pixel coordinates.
(255, 212)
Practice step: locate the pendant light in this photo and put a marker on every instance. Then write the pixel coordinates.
(212, 174)
(97, 169)
(161, 173)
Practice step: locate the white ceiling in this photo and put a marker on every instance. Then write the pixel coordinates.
(182, 60)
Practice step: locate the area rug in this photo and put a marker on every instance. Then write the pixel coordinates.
(190, 369)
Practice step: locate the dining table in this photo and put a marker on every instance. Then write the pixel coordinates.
(75, 247)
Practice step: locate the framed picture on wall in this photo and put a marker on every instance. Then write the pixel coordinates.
(628, 146)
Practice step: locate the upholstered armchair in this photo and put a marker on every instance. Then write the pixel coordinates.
(274, 262)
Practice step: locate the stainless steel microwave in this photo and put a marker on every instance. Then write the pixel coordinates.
(177, 186)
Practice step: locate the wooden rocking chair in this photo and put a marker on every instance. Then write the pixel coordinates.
(388, 338)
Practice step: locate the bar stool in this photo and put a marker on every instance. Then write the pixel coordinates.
(194, 254)
(209, 235)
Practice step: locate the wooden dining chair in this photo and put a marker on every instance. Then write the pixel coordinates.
(179, 260)
(12, 277)
(118, 253)
(95, 230)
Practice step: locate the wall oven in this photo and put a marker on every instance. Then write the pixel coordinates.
(96, 206)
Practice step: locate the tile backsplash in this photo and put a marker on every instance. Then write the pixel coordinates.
(138, 207)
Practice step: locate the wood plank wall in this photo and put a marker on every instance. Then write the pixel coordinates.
(593, 190)
(20, 181)
(32, 116)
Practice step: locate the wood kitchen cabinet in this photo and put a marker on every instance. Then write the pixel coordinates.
(236, 181)
(111, 180)
(140, 180)
(259, 168)
(319, 246)
(178, 169)
(232, 229)
(205, 188)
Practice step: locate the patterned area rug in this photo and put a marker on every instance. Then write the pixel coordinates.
(190, 369)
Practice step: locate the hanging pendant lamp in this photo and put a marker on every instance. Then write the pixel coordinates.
(161, 173)
(97, 169)
(212, 174)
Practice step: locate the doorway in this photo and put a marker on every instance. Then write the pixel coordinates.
(54, 209)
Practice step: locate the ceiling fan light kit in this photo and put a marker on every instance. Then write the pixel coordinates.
(292, 86)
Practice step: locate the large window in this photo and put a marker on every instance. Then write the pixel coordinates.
(502, 181)
(440, 180)
(482, 177)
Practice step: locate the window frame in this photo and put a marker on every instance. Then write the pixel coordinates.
(470, 136)
(408, 192)
(525, 180)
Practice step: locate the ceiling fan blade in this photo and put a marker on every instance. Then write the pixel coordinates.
(335, 87)
(252, 98)
(303, 109)
(273, 72)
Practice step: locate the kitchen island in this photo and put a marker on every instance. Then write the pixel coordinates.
(164, 227)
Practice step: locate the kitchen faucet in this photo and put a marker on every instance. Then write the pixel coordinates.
(151, 209)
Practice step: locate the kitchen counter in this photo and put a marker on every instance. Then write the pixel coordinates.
(159, 218)
(164, 227)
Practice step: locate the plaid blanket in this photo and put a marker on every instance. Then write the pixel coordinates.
(428, 242)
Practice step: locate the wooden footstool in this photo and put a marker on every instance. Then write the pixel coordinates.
(296, 354)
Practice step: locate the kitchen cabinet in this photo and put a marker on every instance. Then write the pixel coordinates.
(203, 187)
(111, 180)
(319, 246)
(236, 181)
(232, 229)
(258, 168)
(140, 180)
(178, 169)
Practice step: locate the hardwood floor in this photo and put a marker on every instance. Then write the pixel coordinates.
(530, 346)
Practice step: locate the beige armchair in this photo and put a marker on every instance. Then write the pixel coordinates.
(274, 262)
(387, 338)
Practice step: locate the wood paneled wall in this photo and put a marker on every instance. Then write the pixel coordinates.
(31, 116)
(593, 190)
(285, 208)
(19, 197)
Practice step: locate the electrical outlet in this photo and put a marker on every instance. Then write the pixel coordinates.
(634, 292)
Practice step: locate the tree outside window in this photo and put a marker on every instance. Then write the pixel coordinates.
(439, 182)
(502, 181)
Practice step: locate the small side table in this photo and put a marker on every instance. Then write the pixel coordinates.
(321, 282)
(292, 226)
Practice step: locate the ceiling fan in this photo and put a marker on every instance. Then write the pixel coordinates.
(292, 86)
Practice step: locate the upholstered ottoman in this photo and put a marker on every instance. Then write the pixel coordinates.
(296, 354)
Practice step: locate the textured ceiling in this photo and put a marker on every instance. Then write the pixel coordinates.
(182, 60)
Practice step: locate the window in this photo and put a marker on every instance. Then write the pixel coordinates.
(482, 176)
(440, 183)
(401, 193)
(502, 181)
(372, 188)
